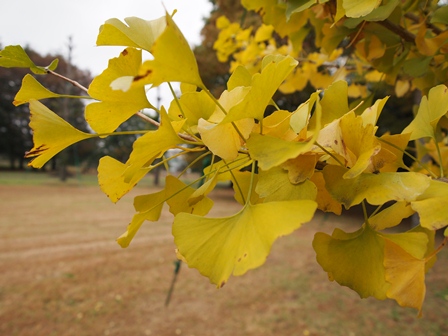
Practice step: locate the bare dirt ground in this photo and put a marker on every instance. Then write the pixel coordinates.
(62, 273)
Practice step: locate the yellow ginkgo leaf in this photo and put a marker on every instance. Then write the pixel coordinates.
(351, 139)
(390, 157)
(115, 106)
(136, 32)
(51, 134)
(277, 125)
(264, 33)
(371, 48)
(354, 260)
(325, 201)
(431, 109)
(31, 89)
(178, 195)
(271, 152)
(391, 216)
(241, 183)
(239, 77)
(301, 168)
(372, 113)
(375, 188)
(262, 88)
(429, 46)
(334, 103)
(406, 275)
(151, 145)
(173, 61)
(432, 206)
(223, 138)
(275, 185)
(150, 208)
(220, 247)
(204, 189)
(402, 87)
(360, 143)
(191, 106)
(111, 180)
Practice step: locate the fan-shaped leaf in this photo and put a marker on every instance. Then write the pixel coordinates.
(219, 247)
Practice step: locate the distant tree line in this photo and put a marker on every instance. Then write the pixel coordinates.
(16, 136)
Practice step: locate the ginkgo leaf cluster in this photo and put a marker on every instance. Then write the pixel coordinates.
(284, 167)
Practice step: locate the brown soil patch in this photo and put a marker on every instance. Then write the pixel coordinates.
(64, 274)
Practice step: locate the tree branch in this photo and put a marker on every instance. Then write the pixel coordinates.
(399, 30)
(416, 19)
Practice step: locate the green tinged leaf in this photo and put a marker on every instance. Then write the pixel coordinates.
(51, 134)
(354, 260)
(381, 13)
(440, 15)
(115, 106)
(377, 189)
(297, 6)
(16, 57)
(219, 247)
(355, 8)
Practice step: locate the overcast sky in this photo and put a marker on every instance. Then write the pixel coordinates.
(45, 25)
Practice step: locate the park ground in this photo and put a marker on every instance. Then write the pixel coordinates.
(62, 273)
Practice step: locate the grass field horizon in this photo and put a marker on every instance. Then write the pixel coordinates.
(64, 274)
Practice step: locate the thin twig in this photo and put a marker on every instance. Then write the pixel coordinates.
(71, 81)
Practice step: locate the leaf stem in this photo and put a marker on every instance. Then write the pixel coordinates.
(71, 81)
(121, 133)
(439, 154)
(434, 253)
(410, 156)
(328, 153)
(176, 99)
(275, 105)
(364, 211)
(200, 157)
(252, 178)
